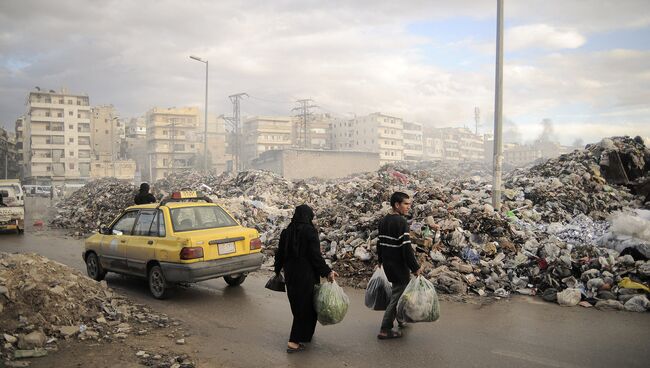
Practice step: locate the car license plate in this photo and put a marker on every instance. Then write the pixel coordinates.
(227, 248)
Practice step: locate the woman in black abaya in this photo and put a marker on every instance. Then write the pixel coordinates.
(300, 256)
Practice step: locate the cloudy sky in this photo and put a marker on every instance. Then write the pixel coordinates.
(583, 64)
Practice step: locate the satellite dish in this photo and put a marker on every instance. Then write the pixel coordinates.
(38, 88)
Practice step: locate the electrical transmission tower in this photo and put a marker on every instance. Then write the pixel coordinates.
(304, 112)
(477, 119)
(236, 123)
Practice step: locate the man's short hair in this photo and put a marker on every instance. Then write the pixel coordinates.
(398, 197)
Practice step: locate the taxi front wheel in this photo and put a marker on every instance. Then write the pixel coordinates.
(235, 280)
(158, 286)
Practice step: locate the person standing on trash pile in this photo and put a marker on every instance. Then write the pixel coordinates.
(396, 255)
(143, 196)
(300, 256)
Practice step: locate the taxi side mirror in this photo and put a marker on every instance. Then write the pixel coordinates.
(104, 230)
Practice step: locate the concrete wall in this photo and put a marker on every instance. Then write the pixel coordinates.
(302, 164)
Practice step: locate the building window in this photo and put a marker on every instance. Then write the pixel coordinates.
(71, 153)
(79, 116)
(71, 166)
(164, 132)
(106, 131)
(71, 140)
(179, 147)
(70, 126)
(69, 102)
(59, 114)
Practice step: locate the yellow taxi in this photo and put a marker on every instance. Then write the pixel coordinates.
(183, 239)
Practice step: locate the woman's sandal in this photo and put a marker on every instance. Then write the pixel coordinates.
(300, 347)
(390, 334)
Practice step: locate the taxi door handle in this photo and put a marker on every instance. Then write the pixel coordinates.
(150, 242)
(123, 241)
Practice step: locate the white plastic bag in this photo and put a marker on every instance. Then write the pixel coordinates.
(330, 302)
(419, 302)
(378, 291)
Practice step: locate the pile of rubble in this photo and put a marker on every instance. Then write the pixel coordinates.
(546, 235)
(43, 302)
(95, 204)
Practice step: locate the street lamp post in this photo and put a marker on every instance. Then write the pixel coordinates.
(205, 122)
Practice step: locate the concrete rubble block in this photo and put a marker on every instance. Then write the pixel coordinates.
(34, 339)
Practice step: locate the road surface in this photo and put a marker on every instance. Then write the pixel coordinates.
(248, 326)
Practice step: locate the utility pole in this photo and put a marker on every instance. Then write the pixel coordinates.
(236, 121)
(303, 111)
(477, 119)
(498, 112)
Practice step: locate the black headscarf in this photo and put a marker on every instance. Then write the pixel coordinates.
(144, 188)
(301, 221)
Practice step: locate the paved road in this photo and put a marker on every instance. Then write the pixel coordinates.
(248, 327)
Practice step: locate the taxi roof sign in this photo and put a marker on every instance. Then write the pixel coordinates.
(186, 194)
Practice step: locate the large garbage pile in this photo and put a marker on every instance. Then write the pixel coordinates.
(43, 302)
(543, 240)
(96, 203)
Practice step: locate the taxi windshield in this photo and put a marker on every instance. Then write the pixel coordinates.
(199, 218)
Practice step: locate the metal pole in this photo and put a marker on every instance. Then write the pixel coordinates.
(498, 112)
(205, 137)
(113, 145)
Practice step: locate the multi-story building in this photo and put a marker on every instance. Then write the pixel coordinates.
(217, 157)
(341, 134)
(264, 133)
(57, 138)
(171, 140)
(318, 132)
(8, 155)
(455, 144)
(377, 132)
(413, 142)
(105, 133)
(20, 148)
(134, 146)
(434, 148)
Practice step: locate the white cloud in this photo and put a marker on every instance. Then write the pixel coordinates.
(542, 36)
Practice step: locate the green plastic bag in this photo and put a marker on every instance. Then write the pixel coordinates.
(419, 302)
(330, 302)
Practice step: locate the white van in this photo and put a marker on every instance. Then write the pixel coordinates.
(12, 210)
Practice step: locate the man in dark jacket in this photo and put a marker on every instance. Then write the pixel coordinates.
(396, 255)
(143, 196)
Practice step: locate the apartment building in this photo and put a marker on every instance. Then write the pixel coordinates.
(318, 132)
(341, 134)
(454, 144)
(105, 133)
(171, 140)
(217, 157)
(434, 148)
(413, 142)
(19, 129)
(57, 138)
(8, 155)
(264, 133)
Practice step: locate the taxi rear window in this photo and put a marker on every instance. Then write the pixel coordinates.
(199, 218)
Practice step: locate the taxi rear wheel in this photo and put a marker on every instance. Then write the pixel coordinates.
(94, 268)
(235, 280)
(158, 286)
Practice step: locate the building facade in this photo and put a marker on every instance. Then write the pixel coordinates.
(413, 142)
(57, 138)
(9, 168)
(377, 132)
(19, 129)
(265, 133)
(171, 140)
